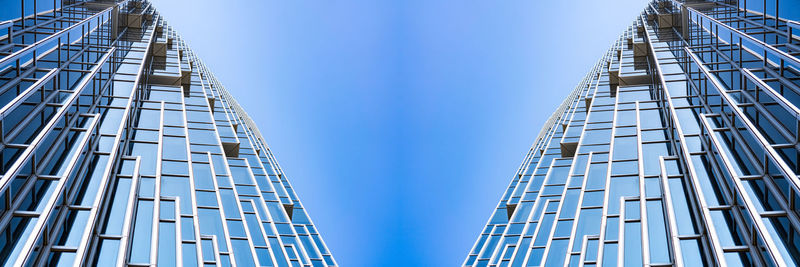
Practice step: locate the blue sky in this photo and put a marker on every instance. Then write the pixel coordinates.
(399, 123)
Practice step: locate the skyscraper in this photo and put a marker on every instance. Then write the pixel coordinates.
(679, 148)
(119, 147)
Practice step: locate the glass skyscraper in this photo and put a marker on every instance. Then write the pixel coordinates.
(679, 148)
(120, 147)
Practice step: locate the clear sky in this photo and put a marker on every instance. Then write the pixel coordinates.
(399, 123)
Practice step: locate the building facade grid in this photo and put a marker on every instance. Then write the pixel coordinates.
(679, 148)
(120, 147)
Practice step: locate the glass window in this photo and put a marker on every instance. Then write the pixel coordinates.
(633, 96)
(688, 121)
(587, 225)
(219, 164)
(223, 181)
(563, 228)
(173, 117)
(202, 176)
(142, 232)
(229, 203)
(591, 249)
(652, 187)
(110, 122)
(174, 148)
(119, 203)
(167, 210)
(167, 96)
(632, 210)
(612, 228)
(653, 119)
(625, 148)
(558, 249)
(174, 131)
(276, 212)
(544, 229)
(597, 176)
(187, 228)
(242, 254)
(211, 224)
(146, 135)
(202, 137)
(255, 230)
(690, 250)
(600, 116)
(593, 198)
(166, 244)
(76, 220)
(557, 175)
(653, 135)
(198, 116)
(624, 167)
(570, 203)
(610, 254)
(189, 254)
(208, 250)
(264, 257)
(580, 164)
(206, 199)
(657, 234)
(621, 187)
(625, 131)
(633, 244)
(178, 187)
(236, 228)
(108, 253)
(651, 152)
(147, 119)
(175, 167)
(241, 175)
(148, 152)
(626, 118)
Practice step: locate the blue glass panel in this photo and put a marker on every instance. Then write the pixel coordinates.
(264, 258)
(166, 244)
(175, 168)
(107, 256)
(690, 249)
(189, 254)
(206, 198)
(202, 176)
(236, 229)
(187, 228)
(74, 227)
(610, 254)
(659, 252)
(178, 187)
(208, 250)
(211, 224)
(591, 249)
(174, 148)
(242, 253)
(141, 232)
(255, 231)
(119, 204)
(229, 203)
(633, 244)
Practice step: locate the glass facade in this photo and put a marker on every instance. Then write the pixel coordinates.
(119, 147)
(679, 148)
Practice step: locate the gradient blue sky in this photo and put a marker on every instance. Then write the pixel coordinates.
(399, 123)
